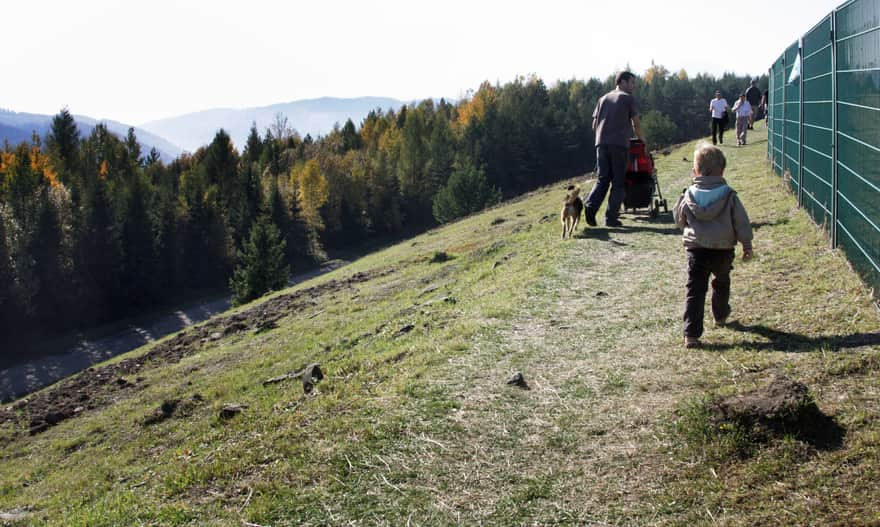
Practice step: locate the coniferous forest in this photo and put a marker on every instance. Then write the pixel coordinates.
(92, 229)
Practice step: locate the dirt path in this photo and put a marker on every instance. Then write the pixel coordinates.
(19, 380)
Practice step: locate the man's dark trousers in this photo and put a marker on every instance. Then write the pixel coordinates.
(702, 263)
(611, 164)
(717, 126)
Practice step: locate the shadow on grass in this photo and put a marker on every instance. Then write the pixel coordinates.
(760, 224)
(820, 430)
(637, 224)
(794, 342)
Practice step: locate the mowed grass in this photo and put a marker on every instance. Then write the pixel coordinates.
(414, 423)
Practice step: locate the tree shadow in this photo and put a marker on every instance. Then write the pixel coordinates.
(794, 342)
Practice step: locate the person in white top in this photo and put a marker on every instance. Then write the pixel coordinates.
(743, 111)
(718, 108)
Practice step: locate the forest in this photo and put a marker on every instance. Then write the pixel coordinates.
(94, 230)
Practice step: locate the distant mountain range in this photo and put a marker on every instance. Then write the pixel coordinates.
(188, 132)
(309, 116)
(16, 127)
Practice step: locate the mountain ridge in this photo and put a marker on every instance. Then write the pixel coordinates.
(307, 116)
(16, 127)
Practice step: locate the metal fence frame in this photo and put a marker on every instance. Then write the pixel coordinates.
(823, 134)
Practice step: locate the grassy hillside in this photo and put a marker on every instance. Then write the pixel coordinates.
(414, 423)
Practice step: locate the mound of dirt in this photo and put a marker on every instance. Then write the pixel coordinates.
(782, 407)
(98, 387)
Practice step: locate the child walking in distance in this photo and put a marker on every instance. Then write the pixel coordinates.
(713, 220)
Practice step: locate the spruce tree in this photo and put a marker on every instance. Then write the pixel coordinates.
(8, 302)
(138, 245)
(98, 253)
(261, 265)
(253, 148)
(45, 251)
(62, 144)
(466, 192)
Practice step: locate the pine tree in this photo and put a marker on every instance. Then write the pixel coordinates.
(261, 265)
(62, 144)
(45, 251)
(133, 149)
(350, 138)
(253, 148)
(441, 152)
(99, 254)
(9, 308)
(467, 191)
(138, 246)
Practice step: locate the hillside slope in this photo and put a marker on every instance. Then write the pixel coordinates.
(414, 423)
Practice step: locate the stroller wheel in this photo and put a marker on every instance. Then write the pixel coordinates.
(665, 208)
(654, 210)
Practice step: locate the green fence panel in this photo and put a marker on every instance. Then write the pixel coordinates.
(818, 135)
(858, 135)
(824, 129)
(792, 121)
(777, 96)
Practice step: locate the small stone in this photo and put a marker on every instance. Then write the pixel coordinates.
(404, 330)
(518, 380)
(231, 410)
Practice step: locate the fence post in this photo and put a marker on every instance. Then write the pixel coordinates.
(800, 174)
(834, 142)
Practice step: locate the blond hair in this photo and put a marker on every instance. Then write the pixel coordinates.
(709, 160)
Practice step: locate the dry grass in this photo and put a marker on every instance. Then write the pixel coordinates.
(419, 427)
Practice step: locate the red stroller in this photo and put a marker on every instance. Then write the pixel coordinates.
(640, 182)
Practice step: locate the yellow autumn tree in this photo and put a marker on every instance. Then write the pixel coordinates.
(6, 160)
(656, 71)
(40, 163)
(476, 106)
(311, 191)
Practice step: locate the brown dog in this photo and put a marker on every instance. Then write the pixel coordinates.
(571, 211)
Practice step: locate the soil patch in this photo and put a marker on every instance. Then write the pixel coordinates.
(101, 386)
(783, 407)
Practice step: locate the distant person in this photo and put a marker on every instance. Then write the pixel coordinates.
(743, 112)
(713, 220)
(753, 96)
(718, 109)
(765, 103)
(614, 119)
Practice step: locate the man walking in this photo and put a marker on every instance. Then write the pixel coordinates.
(718, 108)
(614, 119)
(753, 96)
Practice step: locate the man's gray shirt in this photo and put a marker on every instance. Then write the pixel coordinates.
(614, 113)
(753, 95)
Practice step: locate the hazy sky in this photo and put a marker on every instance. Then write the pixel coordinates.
(139, 61)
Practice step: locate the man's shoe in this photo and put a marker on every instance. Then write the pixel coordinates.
(720, 322)
(613, 223)
(692, 342)
(590, 216)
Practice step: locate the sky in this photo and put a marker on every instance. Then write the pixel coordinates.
(140, 61)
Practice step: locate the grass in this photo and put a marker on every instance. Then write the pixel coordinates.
(419, 426)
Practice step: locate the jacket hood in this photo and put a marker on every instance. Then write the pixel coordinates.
(707, 197)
